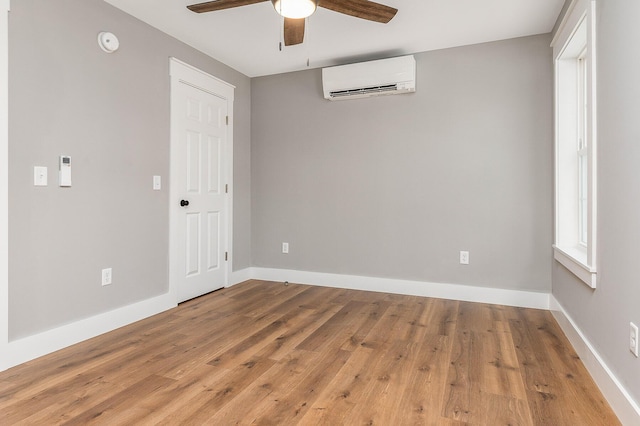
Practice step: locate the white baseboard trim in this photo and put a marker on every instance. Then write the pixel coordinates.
(627, 410)
(31, 347)
(497, 296)
(240, 276)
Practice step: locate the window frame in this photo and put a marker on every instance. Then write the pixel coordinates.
(582, 150)
(575, 140)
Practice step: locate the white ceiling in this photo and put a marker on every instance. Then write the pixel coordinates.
(247, 38)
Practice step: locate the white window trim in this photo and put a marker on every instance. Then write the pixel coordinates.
(582, 152)
(579, 259)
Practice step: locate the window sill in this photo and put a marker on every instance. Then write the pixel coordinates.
(575, 260)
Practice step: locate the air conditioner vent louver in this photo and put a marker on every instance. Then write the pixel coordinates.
(375, 78)
(365, 91)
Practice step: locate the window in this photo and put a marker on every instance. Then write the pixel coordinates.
(575, 141)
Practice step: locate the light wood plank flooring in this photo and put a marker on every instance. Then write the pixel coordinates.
(270, 354)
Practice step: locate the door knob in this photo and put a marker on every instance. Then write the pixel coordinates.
(184, 203)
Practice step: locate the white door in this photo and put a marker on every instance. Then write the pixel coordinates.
(199, 199)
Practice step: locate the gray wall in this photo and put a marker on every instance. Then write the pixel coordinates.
(110, 113)
(397, 186)
(604, 314)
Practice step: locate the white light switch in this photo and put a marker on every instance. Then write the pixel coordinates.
(39, 176)
(157, 183)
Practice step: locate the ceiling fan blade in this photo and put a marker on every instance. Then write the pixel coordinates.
(211, 6)
(293, 31)
(364, 9)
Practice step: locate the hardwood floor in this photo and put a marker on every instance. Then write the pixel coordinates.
(271, 354)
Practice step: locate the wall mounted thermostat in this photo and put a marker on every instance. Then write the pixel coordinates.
(65, 170)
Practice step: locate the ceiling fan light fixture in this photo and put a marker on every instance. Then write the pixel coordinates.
(295, 9)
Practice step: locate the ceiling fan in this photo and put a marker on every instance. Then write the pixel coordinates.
(295, 12)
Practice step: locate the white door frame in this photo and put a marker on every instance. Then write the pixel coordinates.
(4, 179)
(180, 73)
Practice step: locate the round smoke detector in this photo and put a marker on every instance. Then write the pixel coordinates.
(108, 42)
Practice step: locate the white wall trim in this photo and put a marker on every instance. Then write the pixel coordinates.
(627, 410)
(4, 176)
(576, 34)
(31, 347)
(196, 77)
(240, 276)
(40, 344)
(498, 296)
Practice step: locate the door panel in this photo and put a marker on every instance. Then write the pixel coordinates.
(192, 244)
(193, 162)
(214, 165)
(214, 236)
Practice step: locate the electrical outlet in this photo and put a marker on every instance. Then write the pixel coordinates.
(633, 338)
(106, 276)
(464, 257)
(285, 248)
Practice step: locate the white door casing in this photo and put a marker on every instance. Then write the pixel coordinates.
(201, 171)
(4, 180)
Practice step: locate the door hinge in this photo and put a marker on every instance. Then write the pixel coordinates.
(226, 256)
(227, 120)
(226, 188)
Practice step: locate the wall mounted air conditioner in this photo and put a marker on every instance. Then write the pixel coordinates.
(383, 77)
